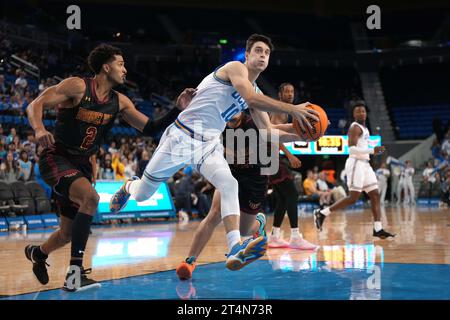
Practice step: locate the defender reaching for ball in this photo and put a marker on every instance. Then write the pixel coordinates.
(360, 175)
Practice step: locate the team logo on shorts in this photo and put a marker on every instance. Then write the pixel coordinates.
(254, 206)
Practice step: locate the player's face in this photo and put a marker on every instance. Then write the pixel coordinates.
(117, 72)
(360, 114)
(287, 94)
(258, 57)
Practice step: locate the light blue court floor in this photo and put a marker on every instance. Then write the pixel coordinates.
(285, 279)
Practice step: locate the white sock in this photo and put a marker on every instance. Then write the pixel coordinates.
(233, 237)
(276, 232)
(128, 185)
(325, 211)
(377, 226)
(295, 234)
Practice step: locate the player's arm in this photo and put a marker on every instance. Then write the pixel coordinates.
(353, 135)
(237, 73)
(151, 127)
(68, 90)
(262, 121)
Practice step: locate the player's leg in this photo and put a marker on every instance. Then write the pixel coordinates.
(201, 238)
(296, 240)
(84, 195)
(371, 188)
(39, 254)
(215, 169)
(354, 170)
(172, 154)
(378, 230)
(275, 240)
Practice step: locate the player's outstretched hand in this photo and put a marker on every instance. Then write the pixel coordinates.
(302, 113)
(294, 162)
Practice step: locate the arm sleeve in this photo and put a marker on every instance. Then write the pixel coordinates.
(154, 126)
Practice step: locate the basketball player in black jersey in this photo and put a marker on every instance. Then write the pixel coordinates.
(86, 110)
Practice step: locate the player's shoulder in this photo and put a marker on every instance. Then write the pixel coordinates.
(72, 86)
(234, 66)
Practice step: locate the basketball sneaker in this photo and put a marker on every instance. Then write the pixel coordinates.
(301, 244)
(120, 198)
(186, 268)
(39, 265)
(261, 218)
(277, 242)
(382, 234)
(78, 281)
(319, 218)
(246, 252)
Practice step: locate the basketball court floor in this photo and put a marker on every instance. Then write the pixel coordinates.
(138, 261)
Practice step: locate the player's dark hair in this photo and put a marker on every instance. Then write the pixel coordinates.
(357, 104)
(255, 38)
(103, 53)
(284, 84)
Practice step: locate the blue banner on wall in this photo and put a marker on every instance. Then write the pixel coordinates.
(3, 224)
(34, 221)
(15, 223)
(50, 220)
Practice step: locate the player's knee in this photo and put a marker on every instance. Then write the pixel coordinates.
(90, 201)
(228, 185)
(353, 198)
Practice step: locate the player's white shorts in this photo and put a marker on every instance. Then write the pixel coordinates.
(360, 175)
(177, 149)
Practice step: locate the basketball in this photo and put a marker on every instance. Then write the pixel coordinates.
(318, 127)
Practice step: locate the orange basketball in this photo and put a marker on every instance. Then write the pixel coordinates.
(318, 127)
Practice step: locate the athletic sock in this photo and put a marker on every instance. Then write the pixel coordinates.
(325, 211)
(80, 235)
(276, 232)
(377, 226)
(233, 237)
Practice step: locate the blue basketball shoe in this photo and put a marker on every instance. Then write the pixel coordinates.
(120, 198)
(246, 252)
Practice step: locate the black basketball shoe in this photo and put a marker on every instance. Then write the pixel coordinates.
(382, 234)
(77, 280)
(39, 265)
(319, 218)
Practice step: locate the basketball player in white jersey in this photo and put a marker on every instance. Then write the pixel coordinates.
(360, 175)
(410, 194)
(383, 175)
(194, 138)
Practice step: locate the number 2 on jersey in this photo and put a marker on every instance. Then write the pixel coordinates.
(91, 134)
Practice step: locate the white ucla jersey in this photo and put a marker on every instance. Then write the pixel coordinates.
(215, 103)
(363, 142)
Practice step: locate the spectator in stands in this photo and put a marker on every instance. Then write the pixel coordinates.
(310, 188)
(4, 88)
(436, 149)
(2, 151)
(184, 191)
(17, 143)
(2, 136)
(11, 135)
(429, 181)
(445, 190)
(112, 148)
(445, 149)
(21, 82)
(323, 189)
(383, 175)
(106, 171)
(130, 168)
(25, 167)
(118, 164)
(145, 158)
(12, 149)
(9, 171)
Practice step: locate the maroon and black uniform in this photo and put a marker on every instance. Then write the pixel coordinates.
(78, 134)
(252, 184)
